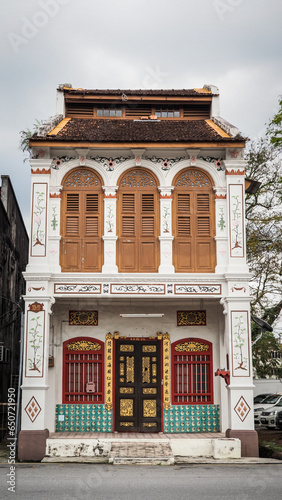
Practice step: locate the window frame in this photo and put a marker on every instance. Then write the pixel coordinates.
(97, 397)
(189, 398)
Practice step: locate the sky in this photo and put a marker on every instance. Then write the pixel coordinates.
(134, 44)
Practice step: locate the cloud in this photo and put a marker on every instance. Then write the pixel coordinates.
(134, 44)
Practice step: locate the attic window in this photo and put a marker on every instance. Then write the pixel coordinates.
(109, 111)
(167, 113)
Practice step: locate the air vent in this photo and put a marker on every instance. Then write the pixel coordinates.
(76, 109)
(196, 111)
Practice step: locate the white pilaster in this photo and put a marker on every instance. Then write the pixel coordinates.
(235, 178)
(35, 365)
(166, 238)
(110, 225)
(238, 341)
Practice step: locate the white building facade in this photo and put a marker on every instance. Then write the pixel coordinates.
(137, 283)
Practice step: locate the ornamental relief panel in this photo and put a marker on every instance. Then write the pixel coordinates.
(138, 178)
(82, 178)
(193, 178)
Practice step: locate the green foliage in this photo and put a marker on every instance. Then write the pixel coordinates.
(26, 135)
(263, 225)
(274, 130)
(264, 365)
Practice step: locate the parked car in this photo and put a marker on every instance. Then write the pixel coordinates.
(269, 417)
(266, 403)
(260, 397)
(279, 420)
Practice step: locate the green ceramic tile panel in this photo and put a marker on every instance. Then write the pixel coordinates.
(192, 418)
(83, 418)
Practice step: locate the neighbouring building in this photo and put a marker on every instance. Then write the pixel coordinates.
(13, 261)
(137, 282)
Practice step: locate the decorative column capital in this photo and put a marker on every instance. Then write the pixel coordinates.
(110, 191)
(165, 192)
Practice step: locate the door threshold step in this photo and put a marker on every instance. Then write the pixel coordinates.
(141, 461)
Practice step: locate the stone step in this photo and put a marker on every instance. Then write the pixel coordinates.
(146, 453)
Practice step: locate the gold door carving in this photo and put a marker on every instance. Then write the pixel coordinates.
(130, 369)
(146, 370)
(149, 408)
(126, 407)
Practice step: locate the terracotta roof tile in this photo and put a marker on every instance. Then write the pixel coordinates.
(92, 130)
(141, 92)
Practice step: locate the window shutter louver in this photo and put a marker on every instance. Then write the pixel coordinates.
(72, 226)
(148, 226)
(128, 202)
(92, 203)
(72, 202)
(128, 226)
(91, 228)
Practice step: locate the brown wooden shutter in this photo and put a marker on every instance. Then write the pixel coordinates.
(82, 223)
(138, 227)
(193, 224)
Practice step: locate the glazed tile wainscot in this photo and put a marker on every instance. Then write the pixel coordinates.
(192, 418)
(83, 418)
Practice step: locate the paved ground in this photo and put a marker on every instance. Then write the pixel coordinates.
(100, 482)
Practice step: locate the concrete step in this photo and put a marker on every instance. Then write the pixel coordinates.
(116, 450)
(146, 453)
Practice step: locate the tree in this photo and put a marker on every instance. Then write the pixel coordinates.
(274, 129)
(264, 364)
(263, 225)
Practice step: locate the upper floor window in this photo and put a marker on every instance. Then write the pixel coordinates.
(193, 222)
(109, 111)
(81, 221)
(167, 113)
(138, 222)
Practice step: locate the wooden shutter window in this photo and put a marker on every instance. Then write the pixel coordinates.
(193, 222)
(72, 202)
(128, 202)
(148, 204)
(183, 203)
(81, 222)
(148, 226)
(72, 226)
(91, 228)
(128, 226)
(92, 203)
(203, 202)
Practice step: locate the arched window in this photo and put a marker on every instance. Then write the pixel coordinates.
(83, 372)
(193, 222)
(192, 372)
(82, 221)
(138, 222)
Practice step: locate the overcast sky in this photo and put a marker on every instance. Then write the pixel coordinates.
(233, 44)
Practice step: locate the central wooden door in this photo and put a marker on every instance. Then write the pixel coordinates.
(138, 386)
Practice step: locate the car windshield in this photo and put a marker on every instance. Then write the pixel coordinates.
(270, 400)
(279, 403)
